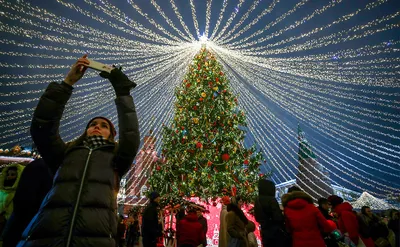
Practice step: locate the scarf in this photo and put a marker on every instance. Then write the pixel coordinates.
(95, 141)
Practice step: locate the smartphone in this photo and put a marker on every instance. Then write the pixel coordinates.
(99, 66)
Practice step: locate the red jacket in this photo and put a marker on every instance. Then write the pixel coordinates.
(190, 231)
(304, 221)
(347, 221)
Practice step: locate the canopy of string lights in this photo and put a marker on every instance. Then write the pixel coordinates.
(333, 67)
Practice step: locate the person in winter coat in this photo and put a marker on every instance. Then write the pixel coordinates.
(268, 214)
(370, 226)
(304, 221)
(203, 222)
(236, 223)
(9, 180)
(151, 228)
(35, 181)
(324, 206)
(81, 209)
(347, 220)
(190, 231)
(223, 233)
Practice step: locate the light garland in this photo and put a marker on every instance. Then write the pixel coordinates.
(339, 78)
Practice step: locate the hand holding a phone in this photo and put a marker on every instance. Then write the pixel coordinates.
(77, 70)
(120, 82)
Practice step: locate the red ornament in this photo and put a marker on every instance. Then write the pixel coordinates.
(233, 191)
(224, 91)
(217, 79)
(225, 157)
(201, 99)
(195, 169)
(188, 85)
(209, 163)
(158, 168)
(199, 145)
(246, 162)
(195, 108)
(221, 73)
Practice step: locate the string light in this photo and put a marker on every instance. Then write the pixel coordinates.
(338, 78)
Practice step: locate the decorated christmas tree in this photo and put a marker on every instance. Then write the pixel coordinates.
(203, 152)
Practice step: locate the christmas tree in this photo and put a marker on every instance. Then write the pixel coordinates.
(203, 149)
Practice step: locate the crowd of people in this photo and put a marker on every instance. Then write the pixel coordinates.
(68, 197)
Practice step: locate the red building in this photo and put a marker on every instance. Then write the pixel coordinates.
(137, 177)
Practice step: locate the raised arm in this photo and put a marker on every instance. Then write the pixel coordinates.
(46, 118)
(129, 137)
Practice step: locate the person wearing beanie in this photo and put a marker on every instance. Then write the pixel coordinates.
(223, 232)
(80, 208)
(268, 214)
(151, 227)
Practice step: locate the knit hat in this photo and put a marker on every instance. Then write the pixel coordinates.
(112, 128)
(225, 200)
(293, 188)
(154, 195)
(335, 200)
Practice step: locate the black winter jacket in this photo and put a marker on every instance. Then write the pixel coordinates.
(267, 211)
(80, 209)
(151, 229)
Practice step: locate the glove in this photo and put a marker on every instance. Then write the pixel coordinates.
(120, 82)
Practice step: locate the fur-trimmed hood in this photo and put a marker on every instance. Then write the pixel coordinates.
(3, 175)
(296, 199)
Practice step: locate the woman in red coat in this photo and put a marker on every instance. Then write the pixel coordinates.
(304, 221)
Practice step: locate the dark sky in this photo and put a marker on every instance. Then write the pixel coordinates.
(347, 105)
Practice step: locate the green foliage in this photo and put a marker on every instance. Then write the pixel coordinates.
(203, 149)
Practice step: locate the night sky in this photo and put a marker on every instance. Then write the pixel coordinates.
(332, 67)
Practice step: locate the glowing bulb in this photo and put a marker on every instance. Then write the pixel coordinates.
(203, 38)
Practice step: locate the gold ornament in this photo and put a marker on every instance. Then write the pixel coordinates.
(215, 88)
(203, 94)
(195, 120)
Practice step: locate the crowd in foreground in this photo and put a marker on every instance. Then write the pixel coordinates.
(332, 223)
